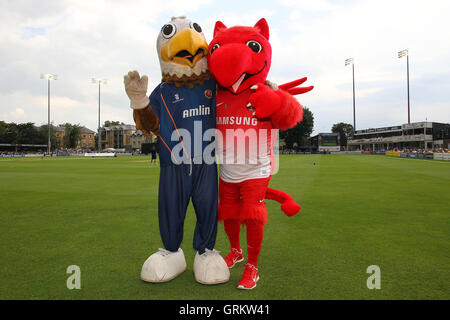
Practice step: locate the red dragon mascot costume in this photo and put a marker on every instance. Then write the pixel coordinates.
(239, 60)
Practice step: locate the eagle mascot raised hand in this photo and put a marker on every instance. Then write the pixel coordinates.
(181, 106)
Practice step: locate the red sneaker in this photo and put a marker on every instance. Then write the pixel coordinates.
(234, 257)
(249, 278)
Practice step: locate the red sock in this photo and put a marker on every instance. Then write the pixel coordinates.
(254, 240)
(232, 229)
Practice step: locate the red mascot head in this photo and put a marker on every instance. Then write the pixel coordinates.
(240, 57)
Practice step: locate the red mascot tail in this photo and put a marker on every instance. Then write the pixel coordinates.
(288, 205)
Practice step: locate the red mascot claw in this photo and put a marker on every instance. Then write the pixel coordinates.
(267, 100)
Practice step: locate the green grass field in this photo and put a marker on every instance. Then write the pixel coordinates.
(101, 214)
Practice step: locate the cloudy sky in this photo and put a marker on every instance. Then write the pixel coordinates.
(78, 40)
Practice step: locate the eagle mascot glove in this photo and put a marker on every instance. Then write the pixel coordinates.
(239, 60)
(181, 106)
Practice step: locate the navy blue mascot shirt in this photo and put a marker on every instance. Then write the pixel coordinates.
(185, 114)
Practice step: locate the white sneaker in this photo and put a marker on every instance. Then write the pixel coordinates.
(163, 266)
(210, 268)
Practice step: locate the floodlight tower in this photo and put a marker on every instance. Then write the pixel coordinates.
(401, 54)
(99, 81)
(48, 76)
(348, 62)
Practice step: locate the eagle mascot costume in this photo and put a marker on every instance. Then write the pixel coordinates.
(184, 102)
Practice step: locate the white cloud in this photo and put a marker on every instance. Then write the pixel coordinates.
(79, 40)
(18, 113)
(310, 6)
(372, 32)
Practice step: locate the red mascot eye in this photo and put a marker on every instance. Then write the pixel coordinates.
(255, 46)
(213, 48)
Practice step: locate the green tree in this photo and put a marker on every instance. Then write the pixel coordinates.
(12, 133)
(72, 135)
(3, 128)
(300, 133)
(109, 123)
(25, 133)
(28, 133)
(345, 131)
(43, 135)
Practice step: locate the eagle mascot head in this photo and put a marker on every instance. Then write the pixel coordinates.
(182, 51)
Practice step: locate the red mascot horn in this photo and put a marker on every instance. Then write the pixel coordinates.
(219, 27)
(262, 27)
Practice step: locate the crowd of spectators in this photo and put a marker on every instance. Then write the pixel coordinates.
(60, 152)
(69, 152)
(418, 150)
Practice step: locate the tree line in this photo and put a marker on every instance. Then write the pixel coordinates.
(29, 133)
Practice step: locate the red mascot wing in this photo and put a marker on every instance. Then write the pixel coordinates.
(291, 111)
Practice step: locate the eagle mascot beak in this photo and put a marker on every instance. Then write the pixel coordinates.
(185, 48)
